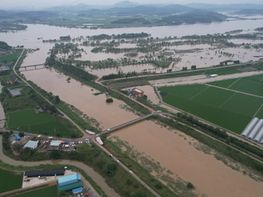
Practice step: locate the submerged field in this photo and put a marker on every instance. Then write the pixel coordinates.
(230, 103)
(9, 180)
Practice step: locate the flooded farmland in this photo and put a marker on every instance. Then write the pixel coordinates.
(177, 153)
(173, 151)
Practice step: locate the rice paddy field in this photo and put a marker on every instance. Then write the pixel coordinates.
(9, 180)
(43, 192)
(230, 103)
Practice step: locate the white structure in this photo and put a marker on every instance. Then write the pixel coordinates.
(98, 139)
(250, 126)
(254, 130)
(55, 143)
(90, 132)
(259, 136)
(31, 144)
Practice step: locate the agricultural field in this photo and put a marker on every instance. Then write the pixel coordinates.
(10, 57)
(30, 113)
(229, 103)
(43, 123)
(9, 180)
(43, 192)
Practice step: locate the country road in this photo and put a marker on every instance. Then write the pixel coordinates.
(88, 170)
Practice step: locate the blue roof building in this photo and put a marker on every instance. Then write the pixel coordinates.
(69, 182)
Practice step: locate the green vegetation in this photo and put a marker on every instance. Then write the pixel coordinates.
(222, 107)
(142, 15)
(91, 155)
(10, 57)
(37, 122)
(42, 192)
(30, 113)
(9, 180)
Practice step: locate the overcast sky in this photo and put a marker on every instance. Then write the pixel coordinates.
(48, 3)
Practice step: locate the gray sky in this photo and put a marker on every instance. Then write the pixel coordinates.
(48, 3)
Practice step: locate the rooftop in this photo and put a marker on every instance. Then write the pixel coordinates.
(55, 142)
(15, 92)
(66, 179)
(31, 144)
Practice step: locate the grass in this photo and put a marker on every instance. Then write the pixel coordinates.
(43, 192)
(225, 108)
(10, 57)
(22, 115)
(31, 121)
(9, 180)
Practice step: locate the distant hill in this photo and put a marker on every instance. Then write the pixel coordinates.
(123, 14)
(125, 4)
(250, 12)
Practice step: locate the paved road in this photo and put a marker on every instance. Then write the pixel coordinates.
(88, 170)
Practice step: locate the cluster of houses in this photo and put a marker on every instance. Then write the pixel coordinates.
(42, 144)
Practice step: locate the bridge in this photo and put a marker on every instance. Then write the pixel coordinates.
(126, 124)
(33, 67)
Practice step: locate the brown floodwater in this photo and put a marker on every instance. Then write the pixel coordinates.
(175, 153)
(82, 97)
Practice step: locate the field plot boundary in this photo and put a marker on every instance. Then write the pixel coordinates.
(226, 107)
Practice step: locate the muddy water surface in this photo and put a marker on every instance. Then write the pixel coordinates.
(176, 153)
(82, 97)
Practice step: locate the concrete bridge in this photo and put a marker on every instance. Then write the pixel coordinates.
(32, 67)
(126, 124)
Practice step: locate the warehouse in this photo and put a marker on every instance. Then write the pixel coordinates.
(31, 144)
(45, 173)
(69, 182)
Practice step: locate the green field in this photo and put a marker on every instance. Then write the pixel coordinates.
(43, 192)
(9, 180)
(10, 57)
(230, 103)
(43, 123)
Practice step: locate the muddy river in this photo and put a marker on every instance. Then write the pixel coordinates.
(82, 97)
(209, 175)
(178, 154)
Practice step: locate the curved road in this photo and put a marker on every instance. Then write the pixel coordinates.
(88, 170)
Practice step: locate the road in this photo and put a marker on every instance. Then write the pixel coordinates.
(88, 170)
(177, 72)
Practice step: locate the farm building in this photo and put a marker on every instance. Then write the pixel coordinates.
(69, 182)
(137, 92)
(254, 130)
(45, 173)
(55, 143)
(31, 144)
(15, 92)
